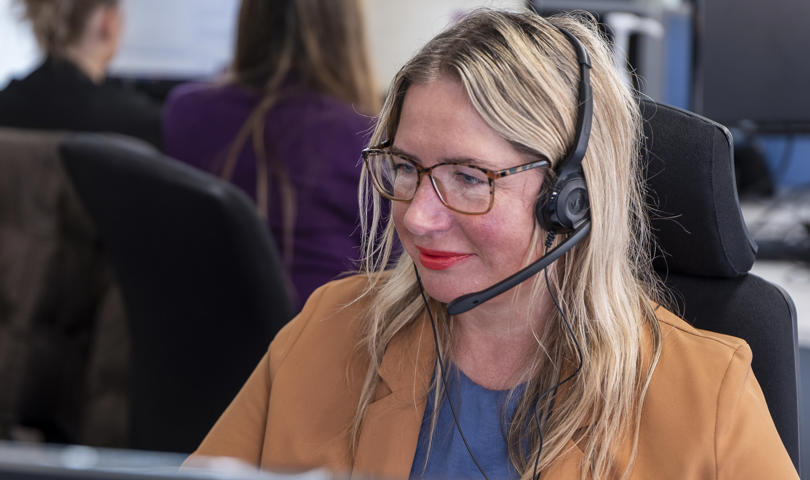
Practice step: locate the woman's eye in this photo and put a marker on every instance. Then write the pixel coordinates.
(403, 168)
(469, 179)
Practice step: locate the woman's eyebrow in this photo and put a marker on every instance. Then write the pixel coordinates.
(462, 160)
(471, 161)
(398, 151)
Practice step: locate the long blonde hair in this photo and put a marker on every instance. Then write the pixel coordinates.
(521, 75)
(318, 44)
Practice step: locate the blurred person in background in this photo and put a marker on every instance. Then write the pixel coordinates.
(69, 91)
(287, 126)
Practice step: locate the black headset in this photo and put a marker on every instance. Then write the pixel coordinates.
(565, 208)
(566, 205)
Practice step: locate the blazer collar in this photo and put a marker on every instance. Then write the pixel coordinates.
(392, 422)
(391, 426)
(408, 363)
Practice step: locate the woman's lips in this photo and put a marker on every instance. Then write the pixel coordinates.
(438, 260)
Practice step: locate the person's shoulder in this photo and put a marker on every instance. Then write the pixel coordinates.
(338, 294)
(190, 94)
(704, 410)
(322, 110)
(206, 95)
(696, 360)
(677, 332)
(123, 103)
(21, 97)
(330, 320)
(11, 97)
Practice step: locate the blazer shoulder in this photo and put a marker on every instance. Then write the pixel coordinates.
(695, 364)
(330, 317)
(704, 404)
(674, 326)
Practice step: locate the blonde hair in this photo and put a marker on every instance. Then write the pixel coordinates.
(58, 24)
(322, 44)
(521, 75)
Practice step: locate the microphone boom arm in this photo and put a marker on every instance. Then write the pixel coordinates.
(469, 301)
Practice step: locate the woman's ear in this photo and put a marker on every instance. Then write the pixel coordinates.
(109, 25)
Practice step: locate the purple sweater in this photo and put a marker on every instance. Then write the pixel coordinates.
(318, 139)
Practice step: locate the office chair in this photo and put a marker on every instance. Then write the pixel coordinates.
(704, 253)
(201, 281)
(58, 305)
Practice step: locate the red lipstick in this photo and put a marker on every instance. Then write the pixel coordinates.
(439, 260)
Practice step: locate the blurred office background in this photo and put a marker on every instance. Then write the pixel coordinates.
(740, 62)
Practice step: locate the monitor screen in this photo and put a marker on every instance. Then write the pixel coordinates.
(180, 39)
(21, 461)
(752, 63)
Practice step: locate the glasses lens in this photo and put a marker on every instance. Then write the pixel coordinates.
(394, 177)
(460, 187)
(464, 188)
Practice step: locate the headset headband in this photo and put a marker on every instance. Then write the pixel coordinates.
(572, 162)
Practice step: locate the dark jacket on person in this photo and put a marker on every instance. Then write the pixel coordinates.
(59, 96)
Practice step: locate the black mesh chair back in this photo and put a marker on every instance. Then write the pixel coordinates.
(200, 277)
(704, 253)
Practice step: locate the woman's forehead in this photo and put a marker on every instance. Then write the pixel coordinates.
(439, 122)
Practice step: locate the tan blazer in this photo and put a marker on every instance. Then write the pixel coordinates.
(704, 417)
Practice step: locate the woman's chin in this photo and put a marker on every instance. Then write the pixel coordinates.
(448, 284)
(443, 291)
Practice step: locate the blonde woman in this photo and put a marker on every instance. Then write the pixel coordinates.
(574, 373)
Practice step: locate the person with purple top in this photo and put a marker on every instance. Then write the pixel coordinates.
(287, 126)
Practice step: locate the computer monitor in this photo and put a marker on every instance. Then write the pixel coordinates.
(20, 461)
(751, 63)
(176, 40)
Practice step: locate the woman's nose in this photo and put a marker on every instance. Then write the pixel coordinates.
(426, 213)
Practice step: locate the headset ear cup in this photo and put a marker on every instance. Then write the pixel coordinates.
(565, 207)
(575, 203)
(543, 209)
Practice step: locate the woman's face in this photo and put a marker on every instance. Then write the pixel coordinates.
(455, 253)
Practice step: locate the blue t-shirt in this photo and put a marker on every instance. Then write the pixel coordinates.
(482, 417)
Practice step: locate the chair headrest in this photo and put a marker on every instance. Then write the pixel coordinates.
(692, 193)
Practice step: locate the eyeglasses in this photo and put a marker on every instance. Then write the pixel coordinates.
(461, 187)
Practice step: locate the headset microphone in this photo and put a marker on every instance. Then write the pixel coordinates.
(472, 300)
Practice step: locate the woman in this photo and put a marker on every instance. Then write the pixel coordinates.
(290, 111)
(577, 373)
(68, 91)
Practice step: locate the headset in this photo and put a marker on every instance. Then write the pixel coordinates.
(565, 208)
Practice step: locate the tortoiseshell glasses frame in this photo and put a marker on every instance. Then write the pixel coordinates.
(491, 175)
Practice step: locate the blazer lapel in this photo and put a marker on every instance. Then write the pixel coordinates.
(391, 425)
(567, 465)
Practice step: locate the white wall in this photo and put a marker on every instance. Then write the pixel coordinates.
(397, 29)
(18, 49)
(154, 46)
